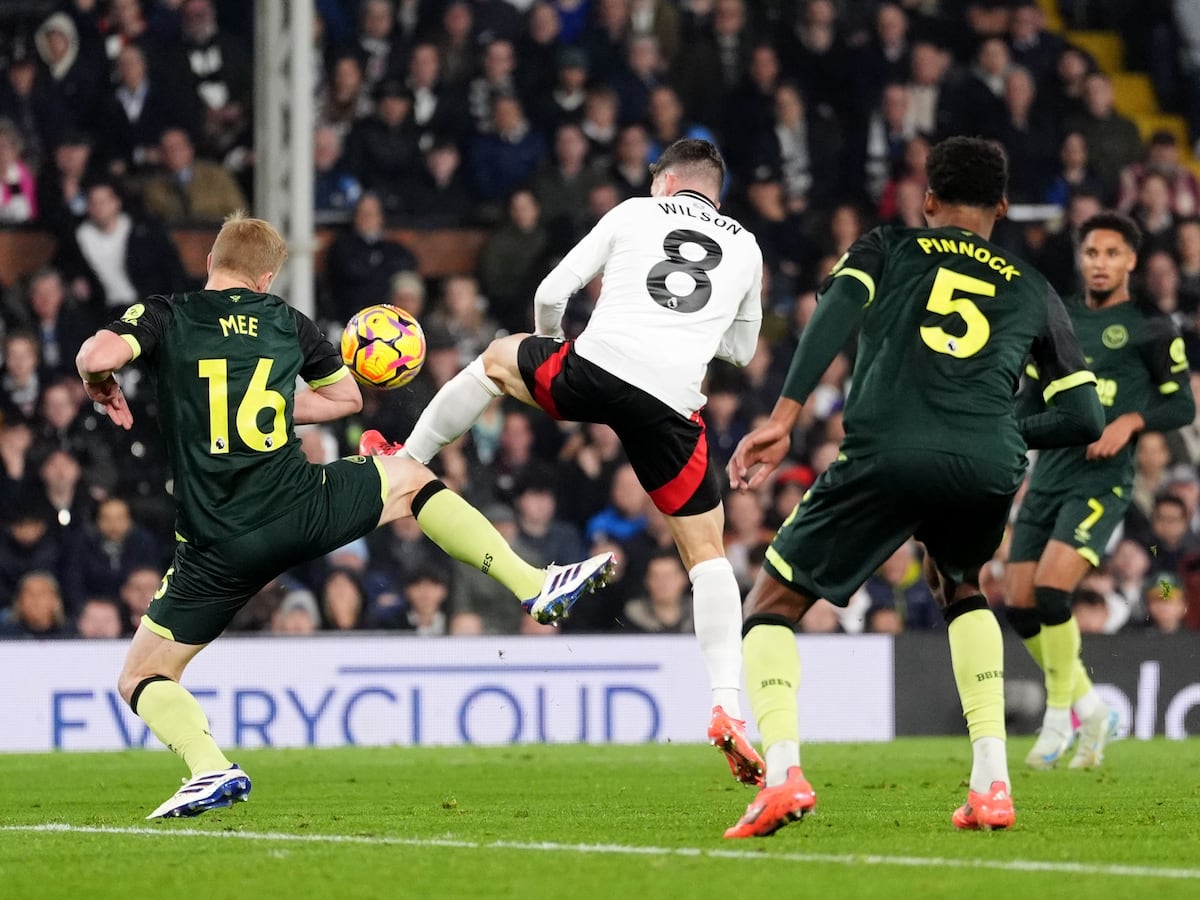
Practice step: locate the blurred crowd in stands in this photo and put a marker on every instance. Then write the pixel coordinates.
(123, 119)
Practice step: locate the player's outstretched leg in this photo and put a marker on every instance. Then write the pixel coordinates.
(977, 655)
(466, 535)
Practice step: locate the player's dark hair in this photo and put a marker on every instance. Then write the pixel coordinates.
(1113, 221)
(692, 153)
(965, 171)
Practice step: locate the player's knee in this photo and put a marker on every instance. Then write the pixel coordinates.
(769, 598)
(407, 480)
(130, 683)
(496, 364)
(1053, 605)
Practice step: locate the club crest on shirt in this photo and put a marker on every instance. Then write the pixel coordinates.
(1115, 337)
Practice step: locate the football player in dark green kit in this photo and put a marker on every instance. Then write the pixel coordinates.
(933, 447)
(250, 505)
(1078, 495)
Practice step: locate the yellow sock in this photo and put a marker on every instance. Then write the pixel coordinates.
(1034, 646)
(977, 654)
(1060, 653)
(462, 531)
(772, 666)
(1083, 682)
(177, 720)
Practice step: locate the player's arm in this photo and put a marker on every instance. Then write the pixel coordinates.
(740, 339)
(1073, 414)
(1029, 397)
(115, 346)
(575, 270)
(332, 393)
(846, 293)
(1171, 405)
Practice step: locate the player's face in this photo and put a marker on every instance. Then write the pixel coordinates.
(1105, 261)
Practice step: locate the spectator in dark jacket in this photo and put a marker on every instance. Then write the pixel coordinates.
(31, 100)
(506, 157)
(27, 542)
(362, 263)
(382, 151)
(107, 553)
(62, 187)
(138, 109)
(60, 324)
(335, 191)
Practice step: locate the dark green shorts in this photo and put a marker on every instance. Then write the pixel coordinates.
(1084, 522)
(861, 510)
(206, 586)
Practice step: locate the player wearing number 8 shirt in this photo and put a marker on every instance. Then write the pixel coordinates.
(682, 285)
(225, 361)
(933, 447)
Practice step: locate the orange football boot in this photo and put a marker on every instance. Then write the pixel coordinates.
(774, 807)
(372, 443)
(729, 735)
(986, 811)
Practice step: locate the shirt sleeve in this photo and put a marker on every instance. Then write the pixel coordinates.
(143, 325)
(1171, 405)
(322, 362)
(1057, 357)
(575, 270)
(841, 300)
(1072, 413)
(741, 337)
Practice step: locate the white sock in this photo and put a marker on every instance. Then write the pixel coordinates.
(989, 764)
(451, 412)
(1087, 705)
(781, 756)
(717, 612)
(1057, 720)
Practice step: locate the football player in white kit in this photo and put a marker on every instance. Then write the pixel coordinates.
(682, 285)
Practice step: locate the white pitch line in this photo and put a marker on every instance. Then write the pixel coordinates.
(841, 859)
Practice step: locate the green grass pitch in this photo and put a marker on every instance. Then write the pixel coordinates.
(612, 821)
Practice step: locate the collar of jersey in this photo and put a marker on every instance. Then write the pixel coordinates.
(686, 192)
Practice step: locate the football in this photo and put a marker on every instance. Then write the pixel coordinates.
(383, 346)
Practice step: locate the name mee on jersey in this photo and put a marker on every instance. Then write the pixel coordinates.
(969, 248)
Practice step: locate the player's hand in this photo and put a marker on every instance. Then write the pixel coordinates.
(765, 447)
(108, 394)
(1116, 435)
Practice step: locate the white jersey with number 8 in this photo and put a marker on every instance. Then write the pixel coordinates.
(678, 275)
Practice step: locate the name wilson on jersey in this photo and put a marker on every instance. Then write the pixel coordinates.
(719, 221)
(969, 248)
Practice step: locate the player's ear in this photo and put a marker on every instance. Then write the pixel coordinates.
(208, 264)
(263, 285)
(1002, 208)
(931, 204)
